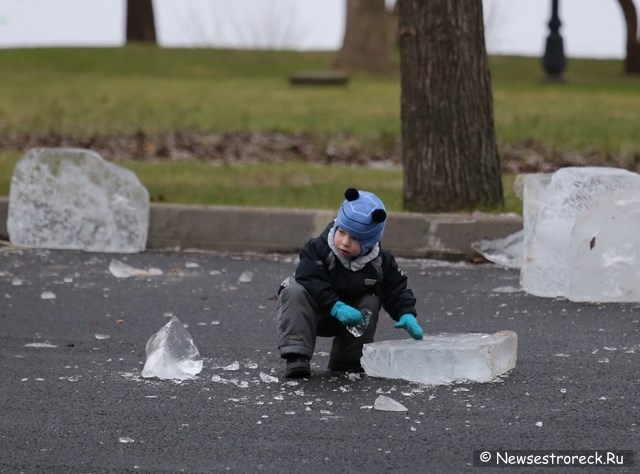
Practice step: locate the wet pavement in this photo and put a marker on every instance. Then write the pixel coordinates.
(73, 399)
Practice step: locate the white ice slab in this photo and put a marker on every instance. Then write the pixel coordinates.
(69, 198)
(443, 358)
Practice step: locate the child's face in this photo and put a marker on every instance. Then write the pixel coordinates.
(347, 245)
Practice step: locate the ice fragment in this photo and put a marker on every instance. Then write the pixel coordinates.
(121, 270)
(246, 277)
(40, 345)
(171, 353)
(266, 378)
(232, 366)
(359, 330)
(443, 358)
(507, 252)
(70, 198)
(385, 403)
(48, 295)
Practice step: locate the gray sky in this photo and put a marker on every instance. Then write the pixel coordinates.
(590, 28)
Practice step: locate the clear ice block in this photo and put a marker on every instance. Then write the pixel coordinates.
(604, 255)
(443, 358)
(70, 198)
(550, 208)
(171, 353)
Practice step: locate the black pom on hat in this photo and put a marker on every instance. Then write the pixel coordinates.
(351, 194)
(378, 215)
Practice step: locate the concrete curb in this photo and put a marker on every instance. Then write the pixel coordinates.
(244, 229)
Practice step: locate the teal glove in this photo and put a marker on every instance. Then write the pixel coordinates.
(347, 315)
(409, 322)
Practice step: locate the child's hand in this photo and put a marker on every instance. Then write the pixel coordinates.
(410, 323)
(347, 315)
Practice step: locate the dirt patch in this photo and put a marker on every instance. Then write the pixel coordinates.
(233, 147)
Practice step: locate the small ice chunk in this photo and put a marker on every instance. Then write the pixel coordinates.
(102, 337)
(443, 358)
(385, 403)
(507, 252)
(359, 330)
(48, 295)
(506, 289)
(125, 439)
(121, 270)
(70, 198)
(246, 277)
(232, 366)
(171, 353)
(41, 345)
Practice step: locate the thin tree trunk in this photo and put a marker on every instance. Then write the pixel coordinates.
(450, 154)
(140, 21)
(632, 59)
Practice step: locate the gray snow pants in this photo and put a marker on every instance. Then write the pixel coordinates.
(300, 321)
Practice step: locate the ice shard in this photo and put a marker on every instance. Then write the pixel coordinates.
(443, 358)
(70, 198)
(506, 252)
(121, 270)
(603, 259)
(549, 215)
(384, 403)
(171, 353)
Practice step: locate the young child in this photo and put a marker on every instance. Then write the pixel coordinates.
(341, 272)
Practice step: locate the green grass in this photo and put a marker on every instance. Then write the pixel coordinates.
(89, 91)
(292, 185)
(104, 91)
(595, 112)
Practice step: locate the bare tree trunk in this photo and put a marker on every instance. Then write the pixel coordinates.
(450, 154)
(366, 44)
(632, 60)
(140, 21)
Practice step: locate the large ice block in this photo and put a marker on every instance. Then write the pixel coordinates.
(443, 358)
(171, 353)
(70, 198)
(604, 254)
(549, 215)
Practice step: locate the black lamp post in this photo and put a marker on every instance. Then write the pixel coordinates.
(554, 60)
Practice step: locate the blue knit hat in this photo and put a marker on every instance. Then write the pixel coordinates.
(362, 215)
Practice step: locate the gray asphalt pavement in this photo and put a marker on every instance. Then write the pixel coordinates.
(73, 401)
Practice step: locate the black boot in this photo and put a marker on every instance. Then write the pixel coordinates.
(298, 366)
